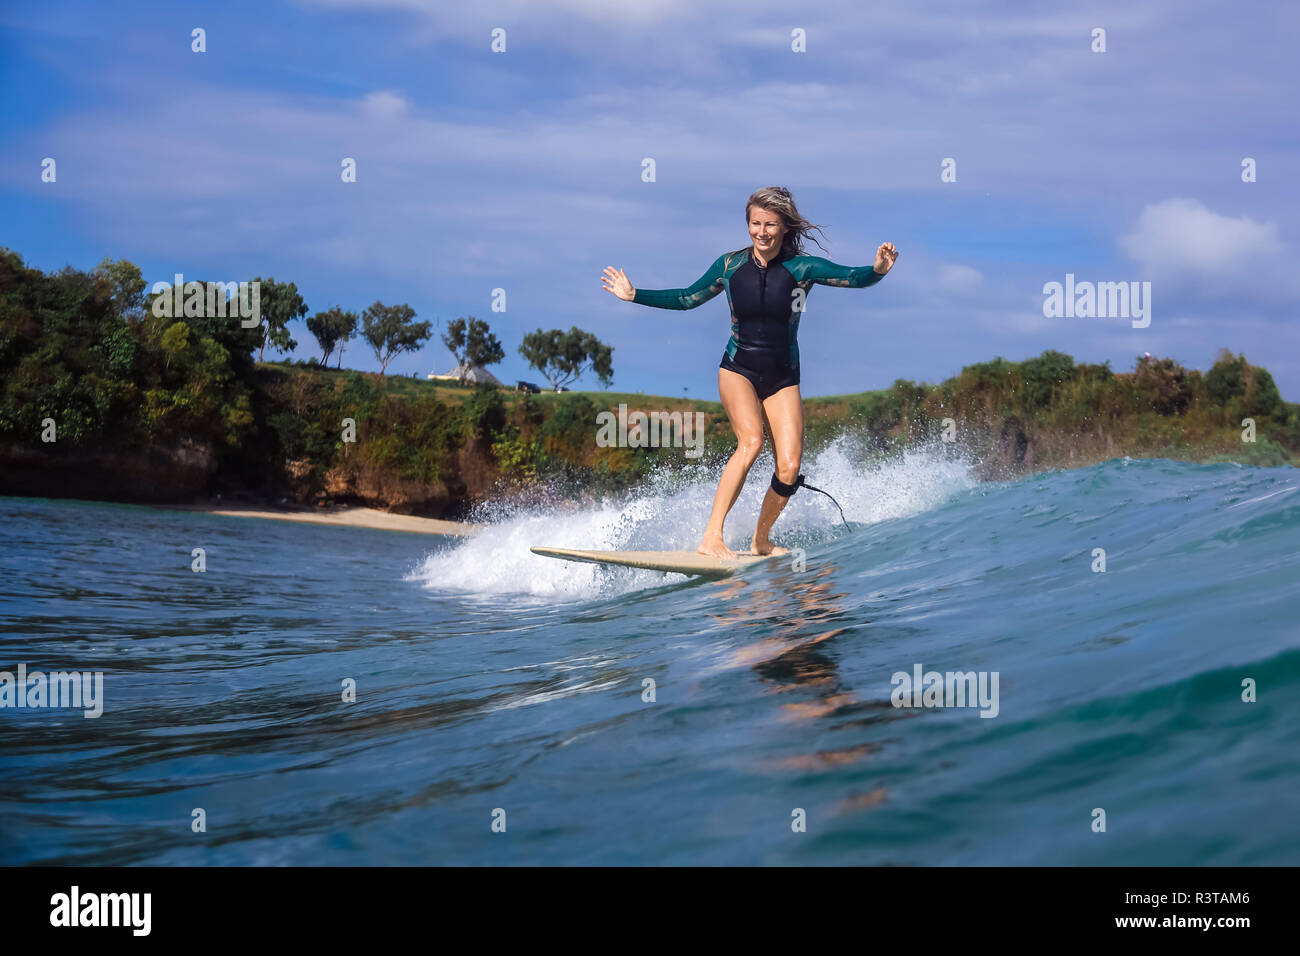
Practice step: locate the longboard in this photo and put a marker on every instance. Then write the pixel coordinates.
(681, 562)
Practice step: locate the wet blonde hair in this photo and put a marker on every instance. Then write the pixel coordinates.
(777, 199)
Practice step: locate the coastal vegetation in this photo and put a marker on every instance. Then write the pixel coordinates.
(102, 398)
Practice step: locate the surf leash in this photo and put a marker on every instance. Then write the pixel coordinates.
(828, 495)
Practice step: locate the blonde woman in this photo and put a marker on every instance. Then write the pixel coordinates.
(767, 284)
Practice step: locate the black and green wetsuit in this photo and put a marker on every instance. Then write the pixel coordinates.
(764, 311)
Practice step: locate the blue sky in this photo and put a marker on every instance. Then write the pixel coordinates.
(522, 170)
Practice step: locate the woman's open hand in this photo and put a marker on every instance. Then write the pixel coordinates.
(615, 281)
(885, 257)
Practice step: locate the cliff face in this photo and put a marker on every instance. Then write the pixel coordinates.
(470, 477)
(191, 471)
(147, 475)
(1000, 449)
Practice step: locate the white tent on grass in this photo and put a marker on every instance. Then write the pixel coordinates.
(474, 374)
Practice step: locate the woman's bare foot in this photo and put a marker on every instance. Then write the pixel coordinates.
(767, 547)
(715, 547)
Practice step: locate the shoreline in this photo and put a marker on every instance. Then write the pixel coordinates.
(354, 517)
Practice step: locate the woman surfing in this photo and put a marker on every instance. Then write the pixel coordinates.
(767, 285)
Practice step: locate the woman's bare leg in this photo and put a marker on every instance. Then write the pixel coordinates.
(784, 414)
(741, 404)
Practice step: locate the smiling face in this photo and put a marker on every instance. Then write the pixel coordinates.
(767, 229)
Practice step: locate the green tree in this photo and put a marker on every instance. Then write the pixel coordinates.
(1242, 388)
(175, 340)
(53, 329)
(561, 357)
(229, 332)
(1041, 376)
(473, 344)
(280, 305)
(127, 284)
(390, 331)
(331, 329)
(1164, 384)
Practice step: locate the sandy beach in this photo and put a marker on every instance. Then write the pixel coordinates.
(347, 518)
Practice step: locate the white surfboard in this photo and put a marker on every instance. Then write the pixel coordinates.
(681, 562)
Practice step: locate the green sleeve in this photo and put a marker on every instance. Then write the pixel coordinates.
(702, 290)
(825, 272)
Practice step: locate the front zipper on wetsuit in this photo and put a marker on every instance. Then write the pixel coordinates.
(762, 290)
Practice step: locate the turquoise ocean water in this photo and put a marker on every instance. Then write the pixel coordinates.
(492, 684)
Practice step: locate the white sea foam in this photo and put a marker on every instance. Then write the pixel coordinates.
(669, 512)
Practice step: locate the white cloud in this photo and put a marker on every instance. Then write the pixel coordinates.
(1183, 236)
(384, 104)
(961, 280)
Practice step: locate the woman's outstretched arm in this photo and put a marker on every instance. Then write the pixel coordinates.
(825, 272)
(699, 292)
